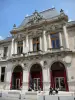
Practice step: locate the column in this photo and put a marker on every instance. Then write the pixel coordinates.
(60, 38)
(25, 79)
(66, 37)
(46, 79)
(27, 43)
(44, 41)
(40, 38)
(49, 42)
(0, 73)
(15, 47)
(12, 46)
(24, 46)
(30, 45)
(8, 77)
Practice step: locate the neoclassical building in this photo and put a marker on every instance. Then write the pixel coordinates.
(40, 53)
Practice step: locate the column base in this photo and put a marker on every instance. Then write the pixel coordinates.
(46, 86)
(7, 86)
(25, 86)
(71, 85)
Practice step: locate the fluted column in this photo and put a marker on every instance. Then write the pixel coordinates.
(44, 41)
(60, 38)
(8, 77)
(25, 79)
(12, 46)
(0, 73)
(24, 42)
(27, 43)
(49, 42)
(46, 79)
(40, 38)
(15, 47)
(30, 45)
(66, 37)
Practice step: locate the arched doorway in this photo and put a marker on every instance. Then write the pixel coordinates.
(58, 76)
(17, 76)
(35, 77)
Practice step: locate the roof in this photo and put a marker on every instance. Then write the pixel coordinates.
(47, 14)
(71, 23)
(7, 39)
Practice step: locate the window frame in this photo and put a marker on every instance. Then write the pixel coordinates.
(20, 47)
(36, 42)
(5, 51)
(54, 39)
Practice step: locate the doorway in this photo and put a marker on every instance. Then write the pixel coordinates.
(17, 77)
(36, 79)
(58, 76)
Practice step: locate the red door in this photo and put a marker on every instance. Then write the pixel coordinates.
(37, 76)
(16, 80)
(59, 79)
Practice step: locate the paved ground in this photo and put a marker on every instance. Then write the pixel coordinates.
(18, 95)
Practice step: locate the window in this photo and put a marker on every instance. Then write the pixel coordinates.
(20, 47)
(55, 40)
(5, 52)
(2, 74)
(36, 44)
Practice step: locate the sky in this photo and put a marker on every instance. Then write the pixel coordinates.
(14, 11)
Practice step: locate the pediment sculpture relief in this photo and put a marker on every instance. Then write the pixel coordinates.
(36, 18)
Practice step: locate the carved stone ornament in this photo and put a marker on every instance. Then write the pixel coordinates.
(45, 62)
(36, 18)
(25, 66)
(54, 27)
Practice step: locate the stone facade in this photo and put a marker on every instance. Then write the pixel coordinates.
(40, 25)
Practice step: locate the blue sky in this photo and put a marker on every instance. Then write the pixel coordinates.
(14, 11)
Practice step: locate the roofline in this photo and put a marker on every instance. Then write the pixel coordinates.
(42, 11)
(70, 24)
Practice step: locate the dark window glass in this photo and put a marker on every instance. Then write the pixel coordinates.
(5, 51)
(36, 44)
(53, 43)
(57, 43)
(20, 47)
(55, 40)
(2, 78)
(3, 70)
(2, 74)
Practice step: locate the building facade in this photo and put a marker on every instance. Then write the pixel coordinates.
(40, 53)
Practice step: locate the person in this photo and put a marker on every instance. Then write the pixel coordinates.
(56, 90)
(50, 91)
(30, 89)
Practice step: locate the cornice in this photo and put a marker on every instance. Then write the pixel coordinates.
(39, 24)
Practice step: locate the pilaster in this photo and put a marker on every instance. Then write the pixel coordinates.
(60, 38)
(25, 79)
(24, 42)
(30, 45)
(40, 38)
(8, 78)
(49, 41)
(12, 46)
(27, 43)
(66, 37)
(46, 79)
(15, 47)
(44, 41)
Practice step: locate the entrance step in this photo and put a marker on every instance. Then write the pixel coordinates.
(31, 95)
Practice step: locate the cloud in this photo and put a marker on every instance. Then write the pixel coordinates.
(70, 20)
(53, 6)
(1, 38)
(27, 15)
